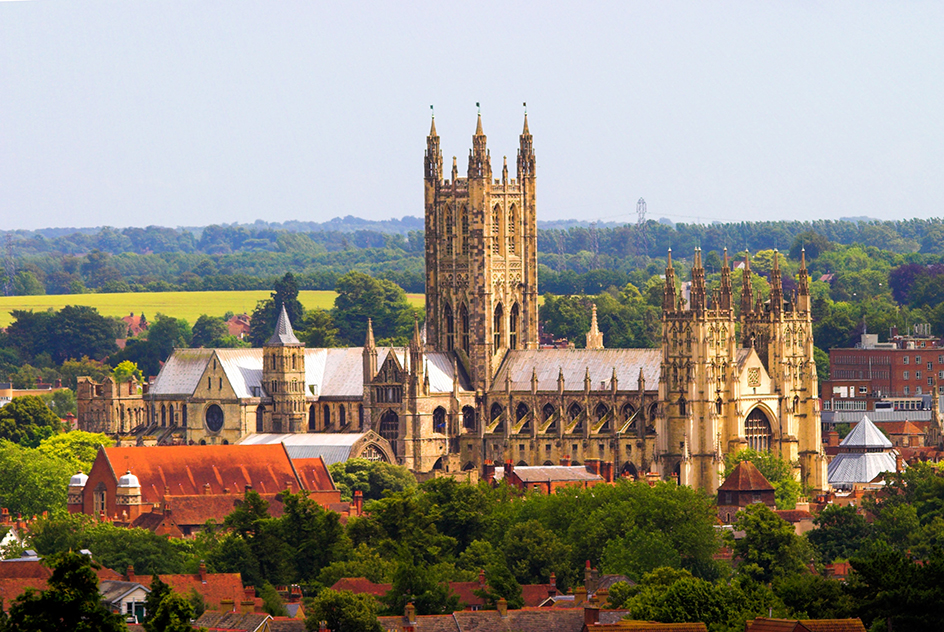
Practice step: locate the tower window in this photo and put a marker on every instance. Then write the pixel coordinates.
(464, 227)
(464, 327)
(513, 327)
(497, 327)
(512, 219)
(757, 431)
(450, 327)
(496, 230)
(326, 414)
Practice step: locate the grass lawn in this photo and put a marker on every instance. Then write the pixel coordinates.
(187, 305)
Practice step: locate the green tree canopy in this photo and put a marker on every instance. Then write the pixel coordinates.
(77, 446)
(71, 601)
(372, 478)
(342, 611)
(361, 297)
(27, 420)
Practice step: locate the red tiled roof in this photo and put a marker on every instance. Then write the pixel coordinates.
(805, 625)
(652, 626)
(13, 587)
(185, 470)
(218, 586)
(27, 569)
(235, 621)
(745, 478)
(361, 585)
(313, 473)
(902, 427)
(534, 594)
(794, 515)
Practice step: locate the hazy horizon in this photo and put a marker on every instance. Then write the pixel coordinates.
(196, 113)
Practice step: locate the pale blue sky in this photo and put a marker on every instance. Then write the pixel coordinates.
(194, 112)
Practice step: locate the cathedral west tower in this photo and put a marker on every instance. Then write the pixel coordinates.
(481, 256)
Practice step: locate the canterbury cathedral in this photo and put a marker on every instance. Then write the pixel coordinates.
(475, 385)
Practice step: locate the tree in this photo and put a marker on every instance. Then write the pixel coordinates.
(343, 611)
(27, 420)
(812, 596)
(70, 370)
(71, 601)
(81, 331)
(372, 478)
(159, 590)
(77, 447)
(361, 297)
(770, 547)
(500, 584)
(61, 401)
(533, 552)
(425, 586)
(271, 601)
(209, 331)
(125, 371)
(266, 313)
(317, 330)
(841, 532)
(26, 284)
(173, 614)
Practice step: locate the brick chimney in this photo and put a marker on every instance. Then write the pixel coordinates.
(593, 466)
(247, 606)
(203, 571)
(358, 502)
(502, 607)
(899, 462)
(129, 573)
(832, 438)
(591, 615)
(482, 578)
(580, 595)
(509, 468)
(249, 592)
(552, 586)
(488, 471)
(410, 613)
(565, 460)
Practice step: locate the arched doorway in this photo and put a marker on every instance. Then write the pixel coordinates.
(757, 430)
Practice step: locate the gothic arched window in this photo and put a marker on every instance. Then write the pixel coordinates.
(450, 327)
(390, 428)
(342, 416)
(521, 411)
(496, 229)
(574, 411)
(449, 230)
(464, 228)
(757, 431)
(326, 413)
(439, 420)
(547, 412)
(513, 327)
(497, 327)
(464, 327)
(683, 406)
(468, 418)
(260, 419)
(510, 230)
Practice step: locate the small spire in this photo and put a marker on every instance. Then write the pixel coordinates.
(594, 337)
(726, 257)
(432, 127)
(669, 263)
(803, 258)
(478, 125)
(369, 342)
(525, 131)
(283, 334)
(776, 259)
(416, 331)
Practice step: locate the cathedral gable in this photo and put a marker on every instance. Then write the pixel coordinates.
(752, 375)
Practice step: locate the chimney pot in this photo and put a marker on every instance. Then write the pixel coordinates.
(565, 460)
(502, 606)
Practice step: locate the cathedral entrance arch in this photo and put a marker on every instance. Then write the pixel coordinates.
(757, 430)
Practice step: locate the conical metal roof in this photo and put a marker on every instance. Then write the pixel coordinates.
(866, 435)
(283, 331)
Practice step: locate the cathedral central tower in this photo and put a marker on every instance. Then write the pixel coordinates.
(481, 256)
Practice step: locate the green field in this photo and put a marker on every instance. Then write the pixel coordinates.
(187, 305)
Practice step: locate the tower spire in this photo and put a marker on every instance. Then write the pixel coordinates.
(803, 284)
(776, 286)
(369, 341)
(525, 150)
(699, 296)
(726, 289)
(433, 154)
(594, 337)
(747, 289)
(668, 297)
(479, 163)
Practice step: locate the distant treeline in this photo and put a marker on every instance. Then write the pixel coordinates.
(251, 257)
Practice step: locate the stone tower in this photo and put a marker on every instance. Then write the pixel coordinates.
(781, 331)
(481, 257)
(719, 396)
(283, 378)
(696, 384)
